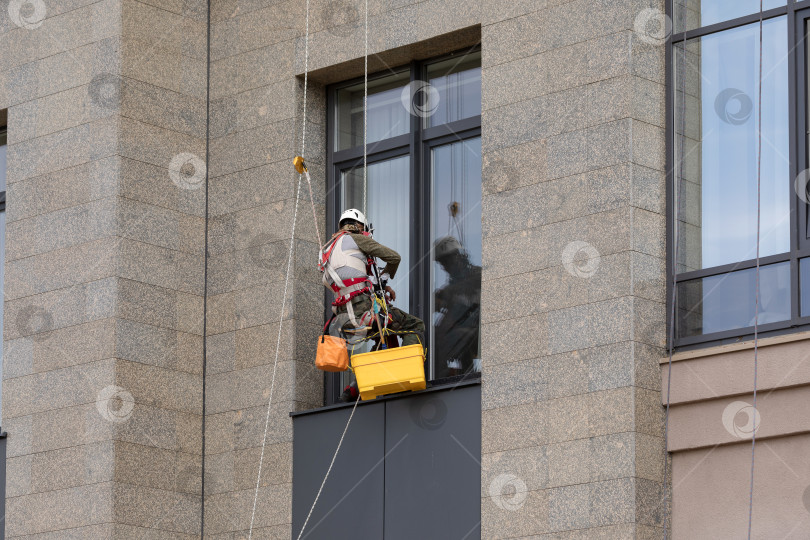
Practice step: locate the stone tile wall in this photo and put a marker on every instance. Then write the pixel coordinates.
(106, 273)
(574, 263)
(104, 267)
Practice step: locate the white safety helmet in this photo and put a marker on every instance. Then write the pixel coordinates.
(354, 214)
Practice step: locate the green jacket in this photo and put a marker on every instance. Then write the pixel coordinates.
(372, 248)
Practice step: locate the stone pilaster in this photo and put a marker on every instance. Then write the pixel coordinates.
(104, 267)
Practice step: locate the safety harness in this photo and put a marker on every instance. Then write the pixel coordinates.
(334, 257)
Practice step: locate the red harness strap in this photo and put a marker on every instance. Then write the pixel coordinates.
(348, 283)
(328, 253)
(340, 300)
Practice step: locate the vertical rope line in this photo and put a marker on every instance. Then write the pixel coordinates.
(306, 85)
(677, 181)
(365, 115)
(329, 470)
(756, 287)
(286, 278)
(275, 361)
(314, 213)
(365, 177)
(205, 258)
(304, 127)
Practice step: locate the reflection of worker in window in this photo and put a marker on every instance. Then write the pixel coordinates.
(457, 311)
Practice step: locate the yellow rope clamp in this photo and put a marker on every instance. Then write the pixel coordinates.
(300, 166)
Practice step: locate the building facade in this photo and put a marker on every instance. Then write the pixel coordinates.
(162, 303)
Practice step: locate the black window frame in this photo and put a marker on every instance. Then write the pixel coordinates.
(797, 13)
(3, 434)
(4, 137)
(417, 144)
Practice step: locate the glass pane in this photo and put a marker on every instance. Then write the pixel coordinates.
(698, 13)
(3, 150)
(388, 204)
(2, 283)
(387, 116)
(455, 89)
(388, 210)
(804, 287)
(804, 198)
(456, 268)
(726, 301)
(716, 87)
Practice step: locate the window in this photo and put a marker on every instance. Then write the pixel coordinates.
(715, 159)
(422, 194)
(3, 148)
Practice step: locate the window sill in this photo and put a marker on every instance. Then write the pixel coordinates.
(740, 346)
(433, 386)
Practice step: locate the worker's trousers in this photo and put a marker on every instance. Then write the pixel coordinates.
(400, 321)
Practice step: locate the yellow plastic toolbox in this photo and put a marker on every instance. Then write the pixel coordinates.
(390, 370)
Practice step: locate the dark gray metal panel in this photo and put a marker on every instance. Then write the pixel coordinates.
(351, 504)
(3, 441)
(433, 465)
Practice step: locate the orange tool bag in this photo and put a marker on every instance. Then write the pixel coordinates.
(333, 353)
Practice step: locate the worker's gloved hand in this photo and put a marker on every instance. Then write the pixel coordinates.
(390, 295)
(350, 393)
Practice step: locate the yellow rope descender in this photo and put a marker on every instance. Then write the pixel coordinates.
(300, 166)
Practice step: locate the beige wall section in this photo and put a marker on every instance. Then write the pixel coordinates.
(102, 389)
(711, 421)
(256, 111)
(257, 56)
(104, 278)
(573, 280)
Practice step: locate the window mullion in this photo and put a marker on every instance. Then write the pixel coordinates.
(419, 288)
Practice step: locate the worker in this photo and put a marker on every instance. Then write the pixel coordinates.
(457, 305)
(346, 263)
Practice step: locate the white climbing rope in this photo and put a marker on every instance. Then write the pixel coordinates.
(365, 117)
(756, 286)
(329, 470)
(676, 204)
(314, 213)
(275, 361)
(287, 276)
(289, 264)
(365, 183)
(677, 180)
